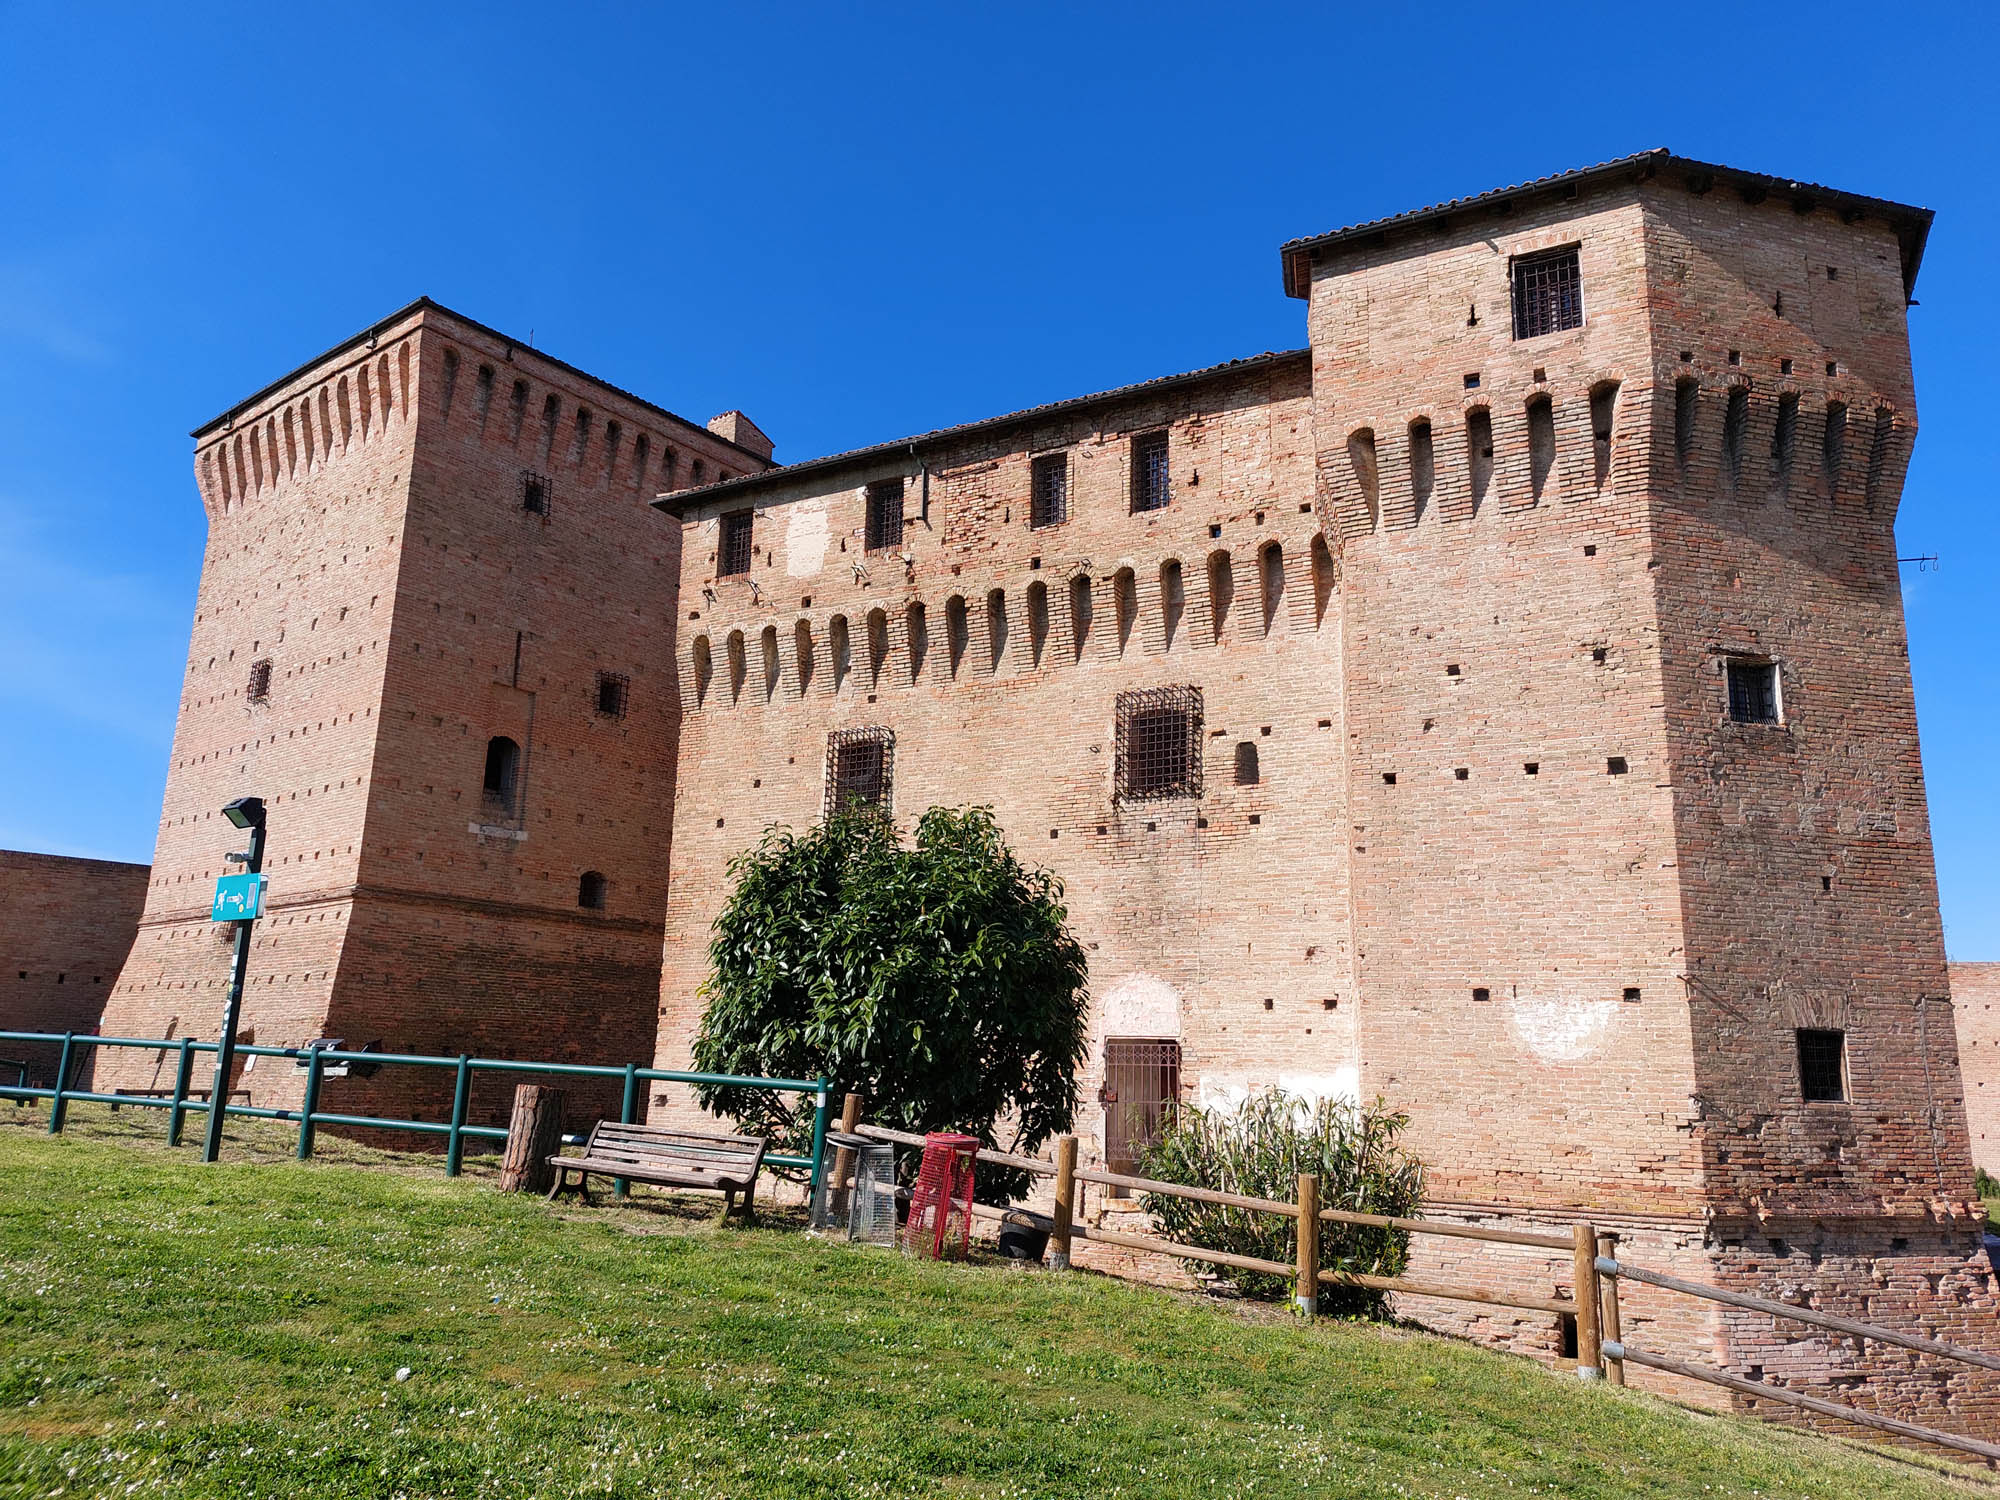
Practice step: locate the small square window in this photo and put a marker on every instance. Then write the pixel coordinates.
(1753, 691)
(1049, 505)
(1149, 472)
(534, 493)
(1159, 743)
(885, 514)
(860, 768)
(1822, 1065)
(732, 553)
(611, 691)
(259, 686)
(1548, 293)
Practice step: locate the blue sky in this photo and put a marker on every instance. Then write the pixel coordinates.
(853, 223)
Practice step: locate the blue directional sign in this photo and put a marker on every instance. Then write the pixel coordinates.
(238, 898)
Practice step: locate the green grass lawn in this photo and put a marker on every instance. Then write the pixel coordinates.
(169, 1328)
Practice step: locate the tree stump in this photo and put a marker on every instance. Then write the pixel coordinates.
(534, 1134)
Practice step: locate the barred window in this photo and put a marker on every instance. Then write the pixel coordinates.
(612, 688)
(534, 493)
(1149, 472)
(1049, 505)
(1159, 743)
(732, 553)
(259, 686)
(885, 514)
(860, 768)
(1548, 293)
(1822, 1065)
(1753, 690)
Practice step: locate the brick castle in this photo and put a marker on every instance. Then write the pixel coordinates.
(1499, 705)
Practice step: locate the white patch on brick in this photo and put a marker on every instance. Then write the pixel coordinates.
(1141, 1005)
(1559, 1028)
(806, 537)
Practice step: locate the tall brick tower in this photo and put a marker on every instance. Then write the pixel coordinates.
(432, 635)
(1645, 914)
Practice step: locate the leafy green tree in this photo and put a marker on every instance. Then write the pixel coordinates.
(938, 979)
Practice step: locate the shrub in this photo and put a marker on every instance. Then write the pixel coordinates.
(937, 979)
(1260, 1150)
(1983, 1185)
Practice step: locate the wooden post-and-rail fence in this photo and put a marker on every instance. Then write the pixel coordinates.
(1601, 1350)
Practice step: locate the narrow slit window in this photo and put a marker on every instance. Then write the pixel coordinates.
(1361, 458)
(1038, 621)
(1603, 412)
(1479, 453)
(732, 552)
(1048, 503)
(704, 669)
(1784, 442)
(1548, 293)
(1082, 609)
(1221, 592)
(1159, 743)
(860, 769)
(1822, 1065)
(957, 631)
(996, 628)
(1271, 572)
(878, 645)
(885, 514)
(1173, 601)
(1423, 469)
(916, 629)
(1125, 596)
(1322, 580)
(841, 645)
(804, 655)
(1753, 690)
(1687, 395)
(1878, 451)
(1149, 472)
(1833, 445)
(1541, 444)
(1735, 425)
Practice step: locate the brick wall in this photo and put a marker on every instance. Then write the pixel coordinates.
(370, 538)
(1975, 1008)
(65, 927)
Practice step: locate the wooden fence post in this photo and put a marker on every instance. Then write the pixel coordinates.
(1306, 1292)
(843, 1158)
(1586, 1294)
(1065, 1214)
(1614, 1369)
(534, 1134)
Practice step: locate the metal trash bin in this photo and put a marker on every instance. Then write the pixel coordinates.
(864, 1207)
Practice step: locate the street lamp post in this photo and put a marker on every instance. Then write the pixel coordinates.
(246, 813)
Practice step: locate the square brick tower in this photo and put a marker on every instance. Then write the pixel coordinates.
(431, 634)
(1645, 914)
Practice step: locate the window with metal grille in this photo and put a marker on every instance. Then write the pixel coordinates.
(1822, 1065)
(1049, 504)
(1149, 472)
(860, 769)
(612, 688)
(534, 492)
(1753, 691)
(1548, 293)
(885, 514)
(259, 686)
(732, 552)
(1159, 743)
(1142, 1085)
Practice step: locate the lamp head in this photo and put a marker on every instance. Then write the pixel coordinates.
(246, 812)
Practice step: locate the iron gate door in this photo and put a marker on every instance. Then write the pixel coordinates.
(1142, 1083)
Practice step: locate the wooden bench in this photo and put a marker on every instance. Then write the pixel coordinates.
(727, 1164)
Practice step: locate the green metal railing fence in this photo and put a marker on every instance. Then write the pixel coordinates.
(183, 1099)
